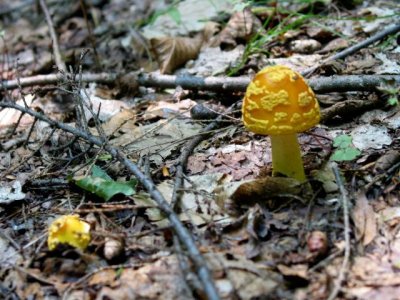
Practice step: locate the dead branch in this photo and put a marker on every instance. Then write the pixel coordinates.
(188, 148)
(180, 230)
(345, 263)
(335, 83)
(56, 48)
(363, 44)
(347, 109)
(239, 84)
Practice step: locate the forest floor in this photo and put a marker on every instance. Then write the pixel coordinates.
(127, 172)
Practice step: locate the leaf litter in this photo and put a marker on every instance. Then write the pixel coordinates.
(262, 237)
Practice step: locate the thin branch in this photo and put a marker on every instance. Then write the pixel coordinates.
(239, 84)
(363, 44)
(187, 149)
(180, 230)
(346, 109)
(184, 266)
(90, 32)
(219, 84)
(56, 48)
(56, 79)
(345, 263)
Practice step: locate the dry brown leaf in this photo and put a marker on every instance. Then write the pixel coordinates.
(334, 45)
(123, 121)
(160, 279)
(172, 52)
(165, 109)
(241, 278)
(272, 190)
(318, 32)
(386, 161)
(364, 220)
(242, 25)
(300, 270)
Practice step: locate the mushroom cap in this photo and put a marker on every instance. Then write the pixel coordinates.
(279, 101)
(69, 230)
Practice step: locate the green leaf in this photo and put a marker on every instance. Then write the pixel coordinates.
(346, 151)
(99, 172)
(175, 14)
(102, 185)
(104, 157)
(393, 101)
(345, 154)
(342, 141)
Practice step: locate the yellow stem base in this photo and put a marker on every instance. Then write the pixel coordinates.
(286, 157)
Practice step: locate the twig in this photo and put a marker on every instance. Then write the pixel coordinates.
(346, 109)
(180, 230)
(187, 149)
(345, 263)
(184, 266)
(34, 276)
(28, 157)
(56, 48)
(104, 209)
(90, 32)
(219, 84)
(365, 43)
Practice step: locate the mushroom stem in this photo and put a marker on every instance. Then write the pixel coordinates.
(286, 156)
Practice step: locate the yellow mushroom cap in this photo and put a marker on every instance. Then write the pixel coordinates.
(69, 230)
(279, 101)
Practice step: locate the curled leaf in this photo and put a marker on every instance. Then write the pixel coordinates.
(386, 161)
(364, 220)
(69, 230)
(101, 184)
(172, 52)
(241, 26)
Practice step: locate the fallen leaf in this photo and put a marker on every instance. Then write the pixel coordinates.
(334, 45)
(241, 26)
(173, 52)
(389, 159)
(270, 190)
(11, 193)
(159, 139)
(122, 121)
(160, 279)
(365, 220)
(191, 13)
(249, 280)
(164, 109)
(369, 136)
(299, 271)
(102, 185)
(197, 200)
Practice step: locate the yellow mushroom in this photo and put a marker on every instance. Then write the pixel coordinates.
(279, 103)
(69, 230)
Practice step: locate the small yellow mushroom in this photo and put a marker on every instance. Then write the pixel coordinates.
(69, 230)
